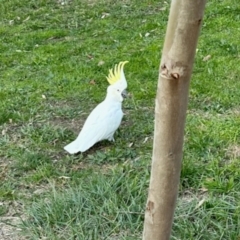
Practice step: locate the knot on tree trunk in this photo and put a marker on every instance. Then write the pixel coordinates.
(172, 70)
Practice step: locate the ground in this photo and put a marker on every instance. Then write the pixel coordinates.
(55, 57)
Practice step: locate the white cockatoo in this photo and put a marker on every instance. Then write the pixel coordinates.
(106, 117)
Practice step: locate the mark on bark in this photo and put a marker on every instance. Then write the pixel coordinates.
(164, 70)
(172, 70)
(150, 209)
(175, 75)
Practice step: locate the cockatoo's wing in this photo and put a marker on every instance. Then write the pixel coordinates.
(101, 124)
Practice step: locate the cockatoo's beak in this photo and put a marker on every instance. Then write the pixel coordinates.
(124, 93)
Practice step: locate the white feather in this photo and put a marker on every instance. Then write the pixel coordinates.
(101, 124)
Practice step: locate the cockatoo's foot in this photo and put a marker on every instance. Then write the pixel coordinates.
(111, 139)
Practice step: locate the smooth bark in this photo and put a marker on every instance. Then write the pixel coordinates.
(170, 113)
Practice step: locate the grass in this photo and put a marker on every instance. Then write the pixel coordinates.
(54, 59)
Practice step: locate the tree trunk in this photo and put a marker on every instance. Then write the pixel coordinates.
(170, 112)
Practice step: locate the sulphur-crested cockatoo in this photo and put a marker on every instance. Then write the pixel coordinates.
(105, 119)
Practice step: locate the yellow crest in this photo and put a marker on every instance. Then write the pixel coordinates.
(115, 75)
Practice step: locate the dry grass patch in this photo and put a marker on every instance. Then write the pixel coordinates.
(233, 151)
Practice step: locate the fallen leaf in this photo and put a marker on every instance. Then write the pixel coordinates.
(162, 9)
(39, 191)
(105, 15)
(101, 63)
(203, 190)
(136, 159)
(209, 179)
(90, 56)
(26, 19)
(145, 140)
(206, 58)
(92, 82)
(64, 177)
(200, 203)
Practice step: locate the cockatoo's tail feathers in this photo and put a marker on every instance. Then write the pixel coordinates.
(114, 76)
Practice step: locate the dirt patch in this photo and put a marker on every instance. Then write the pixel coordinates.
(4, 163)
(189, 195)
(8, 232)
(233, 151)
(74, 125)
(9, 223)
(235, 111)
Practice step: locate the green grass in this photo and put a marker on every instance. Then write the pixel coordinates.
(50, 55)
